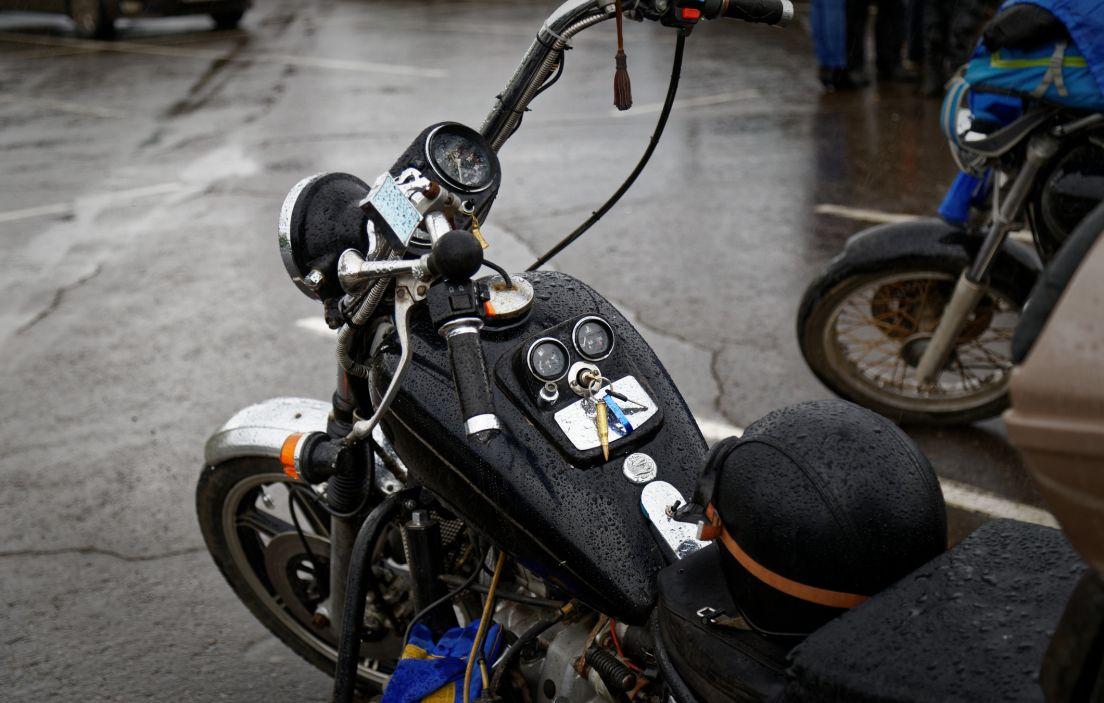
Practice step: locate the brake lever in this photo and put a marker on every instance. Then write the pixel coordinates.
(409, 291)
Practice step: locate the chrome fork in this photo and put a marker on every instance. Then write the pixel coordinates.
(971, 287)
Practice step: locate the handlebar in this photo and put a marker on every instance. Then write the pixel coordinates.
(469, 371)
(778, 13)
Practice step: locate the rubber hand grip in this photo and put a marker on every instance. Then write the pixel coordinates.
(773, 12)
(469, 372)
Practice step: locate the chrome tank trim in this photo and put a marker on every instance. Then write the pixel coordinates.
(260, 430)
(656, 501)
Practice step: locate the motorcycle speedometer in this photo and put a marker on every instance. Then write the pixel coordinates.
(461, 157)
(547, 359)
(593, 338)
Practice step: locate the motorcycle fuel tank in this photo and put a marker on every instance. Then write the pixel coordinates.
(541, 489)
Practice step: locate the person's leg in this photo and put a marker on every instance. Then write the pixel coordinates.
(915, 31)
(936, 36)
(829, 25)
(889, 34)
(858, 12)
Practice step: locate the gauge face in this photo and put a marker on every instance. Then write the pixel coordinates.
(464, 162)
(593, 338)
(548, 359)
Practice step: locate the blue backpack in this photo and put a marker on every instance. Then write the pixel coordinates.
(994, 84)
(1069, 73)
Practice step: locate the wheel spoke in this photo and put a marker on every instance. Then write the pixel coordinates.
(262, 522)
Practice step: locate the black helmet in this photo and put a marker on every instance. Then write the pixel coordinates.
(817, 507)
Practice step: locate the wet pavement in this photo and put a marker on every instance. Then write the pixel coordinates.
(144, 300)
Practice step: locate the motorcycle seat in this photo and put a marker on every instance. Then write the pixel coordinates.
(1006, 138)
(971, 625)
(718, 663)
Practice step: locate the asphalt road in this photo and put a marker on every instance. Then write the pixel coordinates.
(144, 300)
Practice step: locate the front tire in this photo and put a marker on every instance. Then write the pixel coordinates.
(862, 335)
(230, 500)
(92, 19)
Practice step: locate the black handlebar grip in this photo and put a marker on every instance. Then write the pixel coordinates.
(774, 12)
(469, 371)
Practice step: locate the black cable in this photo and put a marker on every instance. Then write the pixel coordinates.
(507, 659)
(443, 599)
(322, 504)
(501, 272)
(672, 89)
(513, 597)
(302, 536)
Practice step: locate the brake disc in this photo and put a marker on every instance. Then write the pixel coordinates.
(300, 585)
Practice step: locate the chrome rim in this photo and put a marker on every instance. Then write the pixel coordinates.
(876, 334)
(255, 515)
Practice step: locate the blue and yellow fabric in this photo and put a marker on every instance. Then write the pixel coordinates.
(434, 671)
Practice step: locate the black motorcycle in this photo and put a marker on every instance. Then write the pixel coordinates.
(509, 447)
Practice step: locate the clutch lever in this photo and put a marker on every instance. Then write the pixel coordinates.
(409, 291)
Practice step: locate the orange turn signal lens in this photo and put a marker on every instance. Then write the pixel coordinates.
(287, 455)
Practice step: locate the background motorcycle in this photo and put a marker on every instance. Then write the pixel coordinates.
(457, 472)
(915, 319)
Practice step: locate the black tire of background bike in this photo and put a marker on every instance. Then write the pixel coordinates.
(227, 20)
(836, 283)
(214, 485)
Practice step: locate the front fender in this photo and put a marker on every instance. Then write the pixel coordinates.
(923, 243)
(260, 430)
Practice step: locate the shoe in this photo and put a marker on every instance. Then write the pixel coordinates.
(933, 85)
(840, 79)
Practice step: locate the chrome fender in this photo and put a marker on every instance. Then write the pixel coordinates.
(260, 430)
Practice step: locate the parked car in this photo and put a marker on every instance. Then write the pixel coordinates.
(96, 18)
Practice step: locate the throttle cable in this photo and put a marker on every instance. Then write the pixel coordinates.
(668, 103)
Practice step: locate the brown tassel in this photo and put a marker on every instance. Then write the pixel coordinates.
(622, 86)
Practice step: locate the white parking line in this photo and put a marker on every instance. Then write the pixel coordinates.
(956, 494)
(68, 207)
(126, 47)
(65, 106)
(862, 215)
(878, 217)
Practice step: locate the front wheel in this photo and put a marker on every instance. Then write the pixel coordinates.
(864, 335)
(269, 537)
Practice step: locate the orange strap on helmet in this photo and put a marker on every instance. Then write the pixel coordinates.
(811, 594)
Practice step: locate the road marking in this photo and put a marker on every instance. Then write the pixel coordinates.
(863, 215)
(65, 106)
(700, 101)
(1023, 236)
(67, 208)
(956, 494)
(975, 500)
(126, 47)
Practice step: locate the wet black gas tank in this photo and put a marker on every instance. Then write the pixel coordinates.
(567, 513)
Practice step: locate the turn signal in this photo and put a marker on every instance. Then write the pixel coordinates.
(287, 455)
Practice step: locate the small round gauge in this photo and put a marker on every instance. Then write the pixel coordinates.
(461, 158)
(593, 338)
(547, 359)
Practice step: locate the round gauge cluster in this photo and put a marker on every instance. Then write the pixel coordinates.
(461, 157)
(548, 358)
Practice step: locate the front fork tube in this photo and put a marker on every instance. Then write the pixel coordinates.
(971, 285)
(345, 495)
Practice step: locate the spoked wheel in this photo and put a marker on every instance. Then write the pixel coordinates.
(865, 337)
(270, 538)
